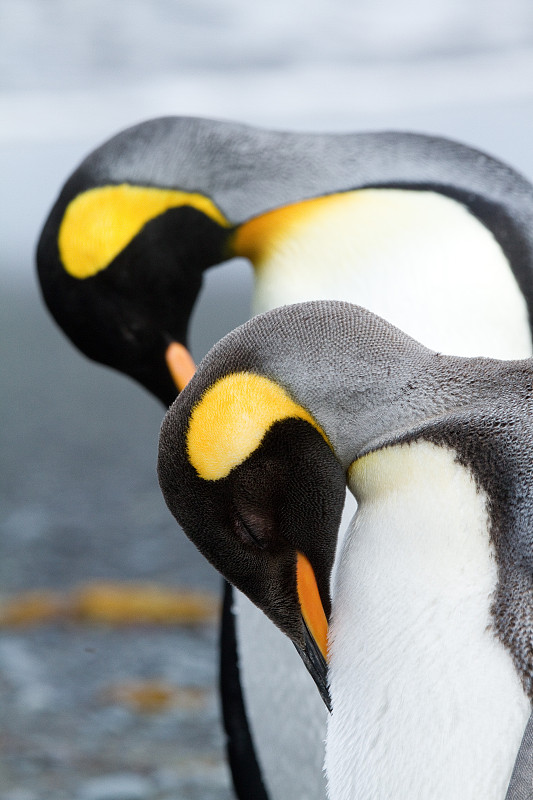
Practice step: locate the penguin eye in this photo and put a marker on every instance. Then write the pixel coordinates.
(132, 331)
(249, 534)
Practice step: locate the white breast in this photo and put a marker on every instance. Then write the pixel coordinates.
(426, 701)
(418, 259)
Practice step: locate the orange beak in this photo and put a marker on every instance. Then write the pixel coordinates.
(314, 651)
(180, 364)
(311, 604)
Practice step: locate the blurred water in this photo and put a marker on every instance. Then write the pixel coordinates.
(79, 495)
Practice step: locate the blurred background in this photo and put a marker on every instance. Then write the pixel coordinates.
(79, 495)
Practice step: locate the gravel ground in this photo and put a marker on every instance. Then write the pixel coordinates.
(64, 736)
(80, 502)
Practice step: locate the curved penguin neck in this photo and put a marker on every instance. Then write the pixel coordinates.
(417, 258)
(426, 701)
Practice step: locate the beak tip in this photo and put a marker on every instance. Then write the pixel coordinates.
(180, 364)
(327, 699)
(317, 666)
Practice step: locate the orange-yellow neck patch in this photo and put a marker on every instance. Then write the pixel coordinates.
(257, 238)
(229, 422)
(101, 222)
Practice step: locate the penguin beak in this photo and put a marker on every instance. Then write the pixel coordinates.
(180, 364)
(314, 652)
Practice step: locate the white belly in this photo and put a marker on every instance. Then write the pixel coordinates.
(426, 701)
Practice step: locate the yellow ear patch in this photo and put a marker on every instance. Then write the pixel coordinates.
(101, 222)
(227, 425)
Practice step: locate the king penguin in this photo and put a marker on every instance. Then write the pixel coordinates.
(431, 234)
(431, 609)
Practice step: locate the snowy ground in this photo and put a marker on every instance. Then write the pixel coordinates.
(79, 496)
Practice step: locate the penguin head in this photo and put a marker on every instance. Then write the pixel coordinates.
(120, 267)
(253, 481)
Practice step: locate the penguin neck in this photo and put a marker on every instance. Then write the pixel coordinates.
(392, 251)
(426, 701)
